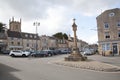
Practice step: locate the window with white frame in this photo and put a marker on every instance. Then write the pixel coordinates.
(119, 34)
(12, 43)
(118, 23)
(27, 45)
(106, 25)
(26, 35)
(106, 47)
(103, 47)
(18, 43)
(107, 35)
(31, 36)
(35, 36)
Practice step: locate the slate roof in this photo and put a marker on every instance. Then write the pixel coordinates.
(115, 10)
(22, 35)
(14, 34)
(29, 35)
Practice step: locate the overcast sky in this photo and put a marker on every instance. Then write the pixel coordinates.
(56, 15)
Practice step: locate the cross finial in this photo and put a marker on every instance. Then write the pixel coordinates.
(74, 20)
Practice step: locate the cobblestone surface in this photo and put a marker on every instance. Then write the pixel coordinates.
(89, 64)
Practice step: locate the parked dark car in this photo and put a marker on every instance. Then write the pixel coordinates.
(65, 51)
(39, 54)
(5, 51)
(56, 52)
(49, 52)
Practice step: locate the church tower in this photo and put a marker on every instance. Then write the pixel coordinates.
(15, 25)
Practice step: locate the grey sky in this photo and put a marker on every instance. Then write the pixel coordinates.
(55, 15)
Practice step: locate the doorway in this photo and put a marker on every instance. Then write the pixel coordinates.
(115, 48)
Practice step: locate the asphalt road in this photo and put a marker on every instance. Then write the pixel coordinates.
(44, 69)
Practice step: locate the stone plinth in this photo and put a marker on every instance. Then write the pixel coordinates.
(75, 56)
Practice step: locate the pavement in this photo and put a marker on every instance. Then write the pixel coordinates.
(89, 64)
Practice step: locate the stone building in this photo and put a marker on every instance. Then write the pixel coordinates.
(14, 39)
(14, 25)
(3, 41)
(108, 25)
(30, 41)
(80, 44)
(52, 43)
(18, 40)
(47, 42)
(62, 43)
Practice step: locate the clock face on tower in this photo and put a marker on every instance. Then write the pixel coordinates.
(111, 14)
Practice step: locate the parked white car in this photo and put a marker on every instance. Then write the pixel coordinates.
(87, 52)
(19, 53)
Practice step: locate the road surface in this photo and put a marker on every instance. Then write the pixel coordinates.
(42, 69)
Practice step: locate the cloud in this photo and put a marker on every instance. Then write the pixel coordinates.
(54, 15)
(93, 39)
(92, 8)
(30, 9)
(54, 21)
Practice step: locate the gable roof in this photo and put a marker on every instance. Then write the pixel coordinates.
(110, 10)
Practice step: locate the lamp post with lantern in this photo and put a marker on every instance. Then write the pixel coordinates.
(36, 24)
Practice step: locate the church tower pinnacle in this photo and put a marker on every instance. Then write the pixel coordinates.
(15, 25)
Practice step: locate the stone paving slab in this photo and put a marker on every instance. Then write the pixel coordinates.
(89, 64)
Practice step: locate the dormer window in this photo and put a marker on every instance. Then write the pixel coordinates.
(30, 36)
(35, 37)
(26, 35)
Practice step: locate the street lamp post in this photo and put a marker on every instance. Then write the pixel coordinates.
(36, 24)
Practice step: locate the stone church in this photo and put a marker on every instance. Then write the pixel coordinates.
(15, 39)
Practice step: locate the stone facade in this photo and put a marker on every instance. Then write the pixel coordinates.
(14, 39)
(108, 25)
(80, 44)
(30, 41)
(48, 42)
(62, 43)
(3, 41)
(17, 40)
(15, 25)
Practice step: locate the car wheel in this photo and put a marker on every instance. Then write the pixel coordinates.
(49, 54)
(23, 55)
(12, 55)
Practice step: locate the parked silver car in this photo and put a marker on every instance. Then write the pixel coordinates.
(14, 53)
(88, 52)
